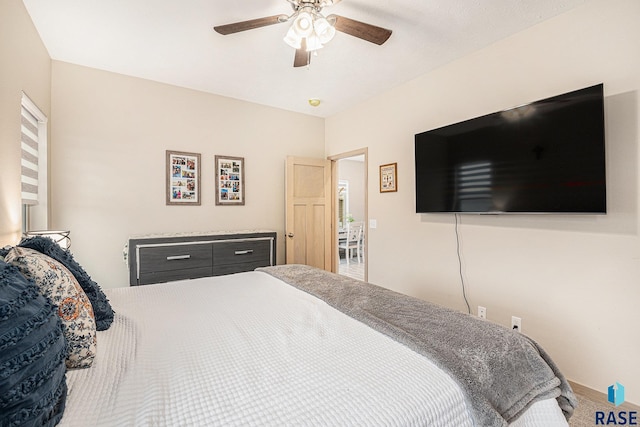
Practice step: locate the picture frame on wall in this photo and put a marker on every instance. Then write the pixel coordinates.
(183, 178)
(388, 178)
(229, 180)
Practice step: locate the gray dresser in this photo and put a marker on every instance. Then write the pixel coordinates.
(167, 257)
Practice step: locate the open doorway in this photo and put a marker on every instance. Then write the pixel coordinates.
(350, 240)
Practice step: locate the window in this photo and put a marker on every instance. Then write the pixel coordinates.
(343, 202)
(33, 143)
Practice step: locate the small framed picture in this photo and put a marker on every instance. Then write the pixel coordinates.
(183, 178)
(229, 180)
(388, 178)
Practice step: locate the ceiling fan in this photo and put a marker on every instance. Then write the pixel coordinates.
(310, 30)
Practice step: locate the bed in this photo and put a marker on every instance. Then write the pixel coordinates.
(294, 345)
(251, 349)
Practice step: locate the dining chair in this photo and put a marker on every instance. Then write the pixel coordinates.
(353, 241)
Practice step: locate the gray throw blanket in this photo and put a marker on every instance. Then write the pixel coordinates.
(500, 371)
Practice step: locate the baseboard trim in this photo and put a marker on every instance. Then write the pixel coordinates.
(600, 397)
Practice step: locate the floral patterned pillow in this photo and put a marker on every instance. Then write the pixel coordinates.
(59, 286)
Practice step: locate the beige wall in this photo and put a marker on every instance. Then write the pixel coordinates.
(574, 280)
(24, 66)
(110, 133)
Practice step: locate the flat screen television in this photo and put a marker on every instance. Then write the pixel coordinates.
(544, 157)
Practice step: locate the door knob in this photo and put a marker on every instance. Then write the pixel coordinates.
(290, 235)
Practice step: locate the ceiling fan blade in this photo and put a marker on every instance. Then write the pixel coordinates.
(368, 32)
(237, 27)
(302, 58)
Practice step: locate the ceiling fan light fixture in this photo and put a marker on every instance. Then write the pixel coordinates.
(313, 43)
(292, 39)
(303, 24)
(324, 30)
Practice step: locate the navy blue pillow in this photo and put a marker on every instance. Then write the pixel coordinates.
(101, 307)
(33, 388)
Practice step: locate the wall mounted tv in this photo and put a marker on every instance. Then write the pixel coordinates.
(543, 157)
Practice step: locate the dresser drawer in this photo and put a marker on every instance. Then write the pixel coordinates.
(220, 270)
(250, 252)
(166, 258)
(172, 275)
(156, 258)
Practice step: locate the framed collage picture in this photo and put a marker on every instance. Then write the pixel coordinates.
(388, 180)
(229, 180)
(183, 178)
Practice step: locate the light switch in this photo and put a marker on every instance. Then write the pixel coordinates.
(373, 223)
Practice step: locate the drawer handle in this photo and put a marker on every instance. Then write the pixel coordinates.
(248, 251)
(177, 257)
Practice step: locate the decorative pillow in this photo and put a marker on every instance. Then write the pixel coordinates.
(101, 307)
(33, 389)
(58, 285)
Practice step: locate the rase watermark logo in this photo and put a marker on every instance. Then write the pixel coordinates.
(615, 395)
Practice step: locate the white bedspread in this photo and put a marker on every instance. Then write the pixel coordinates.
(248, 349)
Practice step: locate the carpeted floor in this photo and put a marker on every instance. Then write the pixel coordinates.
(585, 414)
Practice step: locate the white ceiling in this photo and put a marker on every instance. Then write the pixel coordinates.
(173, 41)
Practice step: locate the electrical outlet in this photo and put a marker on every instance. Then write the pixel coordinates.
(516, 324)
(482, 312)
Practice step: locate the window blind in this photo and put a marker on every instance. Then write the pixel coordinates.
(29, 159)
